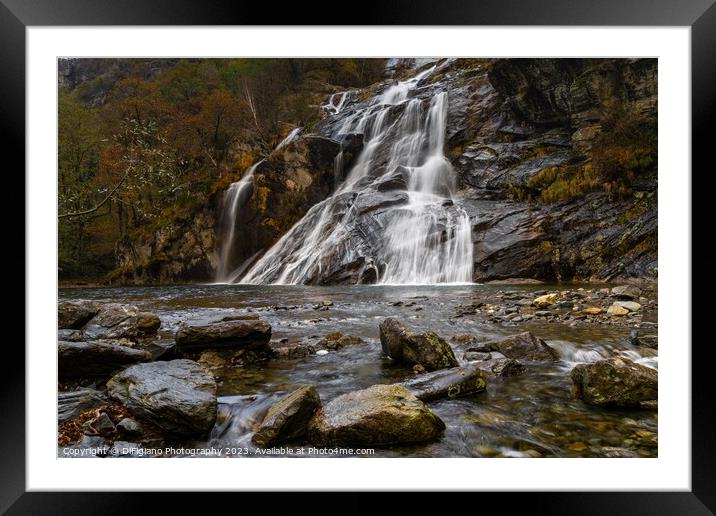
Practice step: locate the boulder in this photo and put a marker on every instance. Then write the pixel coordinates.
(287, 419)
(427, 349)
(122, 322)
(632, 306)
(617, 310)
(96, 358)
(236, 334)
(545, 300)
(501, 367)
(448, 383)
(523, 346)
(615, 382)
(380, 415)
(74, 315)
(178, 396)
(626, 292)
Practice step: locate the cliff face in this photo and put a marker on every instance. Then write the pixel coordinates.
(556, 163)
(554, 119)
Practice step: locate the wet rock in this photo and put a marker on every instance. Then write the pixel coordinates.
(447, 383)
(178, 396)
(287, 419)
(71, 404)
(617, 310)
(524, 346)
(221, 358)
(243, 334)
(474, 356)
(75, 314)
(545, 300)
(501, 367)
(71, 335)
(162, 349)
(380, 415)
(129, 426)
(337, 340)
(403, 345)
(629, 305)
(290, 350)
(626, 292)
(96, 358)
(122, 322)
(614, 382)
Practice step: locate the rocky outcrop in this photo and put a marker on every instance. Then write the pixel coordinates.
(183, 250)
(288, 418)
(178, 396)
(403, 345)
(96, 358)
(380, 415)
(523, 346)
(237, 334)
(285, 185)
(615, 382)
(447, 383)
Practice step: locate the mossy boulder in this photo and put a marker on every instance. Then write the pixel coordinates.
(427, 349)
(615, 382)
(287, 419)
(380, 415)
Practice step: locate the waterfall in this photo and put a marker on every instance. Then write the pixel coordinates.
(420, 235)
(234, 199)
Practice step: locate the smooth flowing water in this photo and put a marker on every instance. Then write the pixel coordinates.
(426, 237)
(529, 415)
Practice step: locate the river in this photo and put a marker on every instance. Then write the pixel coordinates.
(532, 415)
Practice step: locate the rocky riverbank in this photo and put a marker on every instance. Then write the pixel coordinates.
(131, 378)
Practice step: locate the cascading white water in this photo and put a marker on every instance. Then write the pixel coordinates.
(234, 199)
(426, 238)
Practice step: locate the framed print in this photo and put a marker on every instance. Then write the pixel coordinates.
(426, 255)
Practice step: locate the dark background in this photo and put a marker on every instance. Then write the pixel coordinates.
(15, 15)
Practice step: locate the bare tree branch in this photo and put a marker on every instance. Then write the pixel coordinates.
(98, 206)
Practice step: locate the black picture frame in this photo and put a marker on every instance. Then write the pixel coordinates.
(700, 15)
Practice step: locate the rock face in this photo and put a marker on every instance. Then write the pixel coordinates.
(238, 334)
(74, 315)
(615, 382)
(523, 346)
(178, 396)
(448, 383)
(122, 322)
(403, 345)
(287, 419)
(97, 358)
(380, 415)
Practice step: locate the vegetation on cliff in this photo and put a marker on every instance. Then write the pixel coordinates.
(143, 143)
